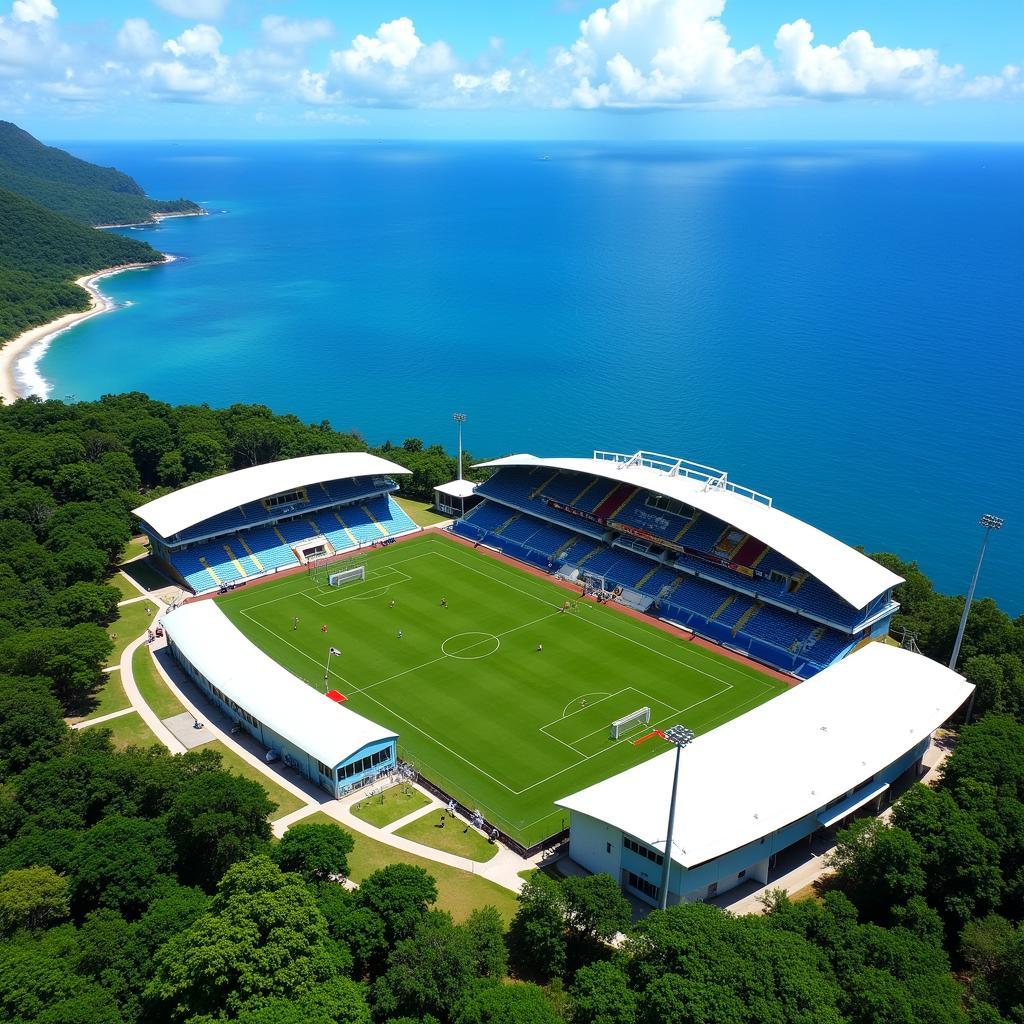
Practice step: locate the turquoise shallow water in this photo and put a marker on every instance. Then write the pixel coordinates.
(839, 326)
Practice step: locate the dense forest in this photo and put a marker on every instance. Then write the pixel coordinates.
(137, 886)
(48, 199)
(76, 188)
(41, 255)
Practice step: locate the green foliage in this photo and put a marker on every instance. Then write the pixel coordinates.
(600, 994)
(536, 937)
(315, 851)
(32, 898)
(73, 187)
(400, 895)
(217, 819)
(263, 937)
(485, 1003)
(595, 907)
(31, 726)
(41, 255)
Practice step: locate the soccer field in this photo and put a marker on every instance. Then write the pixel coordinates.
(479, 709)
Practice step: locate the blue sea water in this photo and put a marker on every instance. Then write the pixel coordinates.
(840, 326)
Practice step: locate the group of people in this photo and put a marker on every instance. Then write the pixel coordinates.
(474, 819)
(383, 542)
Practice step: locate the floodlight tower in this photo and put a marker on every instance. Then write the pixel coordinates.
(990, 523)
(679, 736)
(460, 418)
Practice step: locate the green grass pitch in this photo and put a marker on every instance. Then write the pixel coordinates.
(479, 709)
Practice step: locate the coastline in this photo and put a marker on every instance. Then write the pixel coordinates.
(154, 219)
(17, 381)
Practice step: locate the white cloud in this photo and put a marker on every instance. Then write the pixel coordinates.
(199, 10)
(198, 41)
(33, 12)
(199, 71)
(137, 38)
(334, 117)
(281, 31)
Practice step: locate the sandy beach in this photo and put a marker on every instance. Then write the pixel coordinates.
(31, 344)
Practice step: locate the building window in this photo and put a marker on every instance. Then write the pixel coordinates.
(324, 770)
(289, 498)
(642, 885)
(673, 505)
(607, 847)
(742, 874)
(643, 851)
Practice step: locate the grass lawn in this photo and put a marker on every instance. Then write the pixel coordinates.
(421, 512)
(453, 838)
(107, 697)
(135, 547)
(482, 712)
(118, 582)
(459, 892)
(145, 575)
(389, 806)
(132, 621)
(286, 801)
(129, 731)
(151, 685)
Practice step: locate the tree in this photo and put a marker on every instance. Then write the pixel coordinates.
(263, 937)
(217, 819)
(31, 726)
(536, 936)
(427, 972)
(992, 751)
(71, 658)
(358, 926)
(315, 850)
(338, 1001)
(119, 863)
(486, 932)
(961, 866)
(87, 602)
(32, 898)
(878, 867)
(488, 1003)
(399, 895)
(600, 994)
(595, 907)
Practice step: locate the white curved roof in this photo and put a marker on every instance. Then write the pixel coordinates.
(190, 505)
(857, 579)
(304, 716)
(783, 760)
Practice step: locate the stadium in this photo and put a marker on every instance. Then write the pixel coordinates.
(514, 657)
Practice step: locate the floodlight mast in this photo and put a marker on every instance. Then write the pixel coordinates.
(990, 523)
(460, 418)
(679, 736)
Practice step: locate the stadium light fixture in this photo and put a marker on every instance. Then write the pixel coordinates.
(679, 736)
(990, 523)
(460, 418)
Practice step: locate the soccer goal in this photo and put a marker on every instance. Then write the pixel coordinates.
(621, 726)
(339, 579)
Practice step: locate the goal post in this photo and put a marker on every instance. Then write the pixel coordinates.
(355, 574)
(642, 716)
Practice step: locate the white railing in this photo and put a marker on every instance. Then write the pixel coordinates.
(670, 465)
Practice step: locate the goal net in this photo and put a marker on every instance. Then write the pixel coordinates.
(621, 726)
(339, 579)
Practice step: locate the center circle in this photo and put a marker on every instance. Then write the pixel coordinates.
(470, 646)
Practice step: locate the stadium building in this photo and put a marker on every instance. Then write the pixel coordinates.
(749, 789)
(684, 543)
(243, 525)
(331, 745)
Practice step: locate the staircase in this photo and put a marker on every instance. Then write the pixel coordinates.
(646, 576)
(747, 616)
(508, 522)
(209, 568)
(537, 491)
(351, 536)
(373, 519)
(579, 497)
(248, 551)
(725, 604)
(682, 532)
(237, 564)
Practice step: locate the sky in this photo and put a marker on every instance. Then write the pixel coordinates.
(537, 69)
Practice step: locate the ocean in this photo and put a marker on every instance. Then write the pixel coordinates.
(840, 326)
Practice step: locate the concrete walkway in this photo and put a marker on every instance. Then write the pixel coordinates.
(103, 718)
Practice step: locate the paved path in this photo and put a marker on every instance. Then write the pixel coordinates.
(103, 718)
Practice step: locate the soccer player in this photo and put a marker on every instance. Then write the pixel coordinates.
(392, 605)
(400, 634)
(444, 602)
(540, 647)
(295, 622)
(323, 628)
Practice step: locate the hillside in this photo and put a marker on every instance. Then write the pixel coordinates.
(76, 188)
(41, 254)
